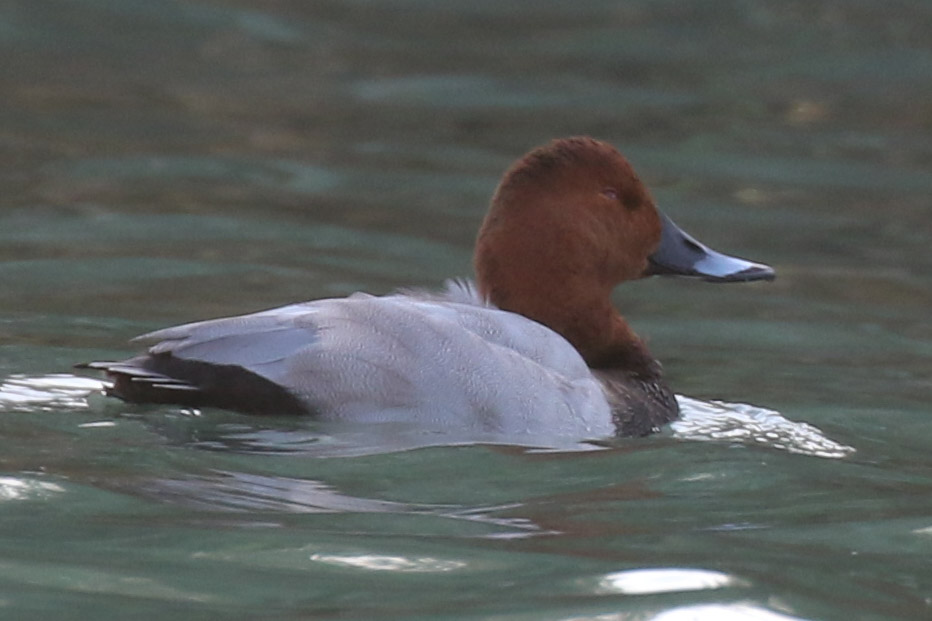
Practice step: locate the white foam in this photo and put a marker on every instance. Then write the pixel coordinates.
(46, 392)
(749, 424)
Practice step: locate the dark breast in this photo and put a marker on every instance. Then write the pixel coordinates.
(641, 405)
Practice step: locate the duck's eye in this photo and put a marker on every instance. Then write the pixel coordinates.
(610, 193)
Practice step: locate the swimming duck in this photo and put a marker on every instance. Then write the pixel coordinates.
(534, 346)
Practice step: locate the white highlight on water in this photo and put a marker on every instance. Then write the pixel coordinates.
(377, 562)
(663, 580)
(749, 424)
(46, 392)
(14, 488)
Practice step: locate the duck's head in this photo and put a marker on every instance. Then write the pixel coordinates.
(568, 222)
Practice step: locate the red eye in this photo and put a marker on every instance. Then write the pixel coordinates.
(610, 193)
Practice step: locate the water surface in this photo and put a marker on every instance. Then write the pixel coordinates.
(170, 161)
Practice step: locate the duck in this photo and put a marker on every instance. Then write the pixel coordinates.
(534, 345)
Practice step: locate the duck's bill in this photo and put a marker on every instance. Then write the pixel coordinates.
(679, 254)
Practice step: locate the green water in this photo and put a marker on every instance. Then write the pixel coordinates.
(167, 161)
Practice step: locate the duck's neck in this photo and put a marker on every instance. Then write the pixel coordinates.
(586, 317)
(618, 348)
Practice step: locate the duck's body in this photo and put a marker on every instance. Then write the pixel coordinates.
(362, 358)
(537, 349)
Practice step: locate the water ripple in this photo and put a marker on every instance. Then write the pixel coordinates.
(240, 492)
(700, 420)
(376, 562)
(46, 392)
(749, 424)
